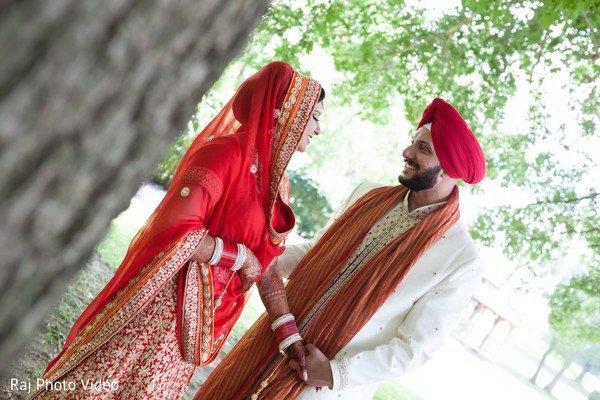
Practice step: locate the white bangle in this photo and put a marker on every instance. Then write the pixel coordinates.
(241, 257)
(282, 320)
(288, 341)
(217, 253)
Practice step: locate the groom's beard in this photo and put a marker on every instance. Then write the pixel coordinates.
(422, 180)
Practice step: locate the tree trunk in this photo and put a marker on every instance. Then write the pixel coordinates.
(586, 368)
(91, 95)
(533, 379)
(556, 378)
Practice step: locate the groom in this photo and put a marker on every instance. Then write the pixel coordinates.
(380, 287)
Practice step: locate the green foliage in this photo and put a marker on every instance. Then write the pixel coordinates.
(574, 305)
(165, 170)
(476, 56)
(311, 208)
(536, 233)
(471, 55)
(80, 293)
(113, 248)
(394, 391)
(210, 105)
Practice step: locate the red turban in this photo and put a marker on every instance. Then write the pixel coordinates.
(454, 143)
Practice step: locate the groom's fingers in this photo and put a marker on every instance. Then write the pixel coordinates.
(311, 348)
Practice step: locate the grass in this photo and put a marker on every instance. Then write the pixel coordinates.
(113, 248)
(394, 391)
(87, 284)
(517, 375)
(532, 352)
(70, 306)
(50, 338)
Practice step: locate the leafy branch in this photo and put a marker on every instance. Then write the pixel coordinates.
(430, 38)
(571, 200)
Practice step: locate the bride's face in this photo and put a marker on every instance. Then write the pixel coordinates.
(312, 128)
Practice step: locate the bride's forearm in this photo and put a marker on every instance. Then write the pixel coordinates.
(205, 249)
(289, 341)
(272, 292)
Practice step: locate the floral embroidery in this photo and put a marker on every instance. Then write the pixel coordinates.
(203, 177)
(141, 361)
(389, 227)
(341, 362)
(288, 132)
(198, 315)
(284, 189)
(190, 313)
(204, 288)
(118, 317)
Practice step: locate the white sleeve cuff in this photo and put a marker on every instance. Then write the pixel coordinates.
(339, 373)
(335, 371)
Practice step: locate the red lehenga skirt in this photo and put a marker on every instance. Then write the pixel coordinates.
(131, 348)
(142, 361)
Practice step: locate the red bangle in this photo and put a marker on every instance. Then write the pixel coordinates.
(230, 254)
(285, 330)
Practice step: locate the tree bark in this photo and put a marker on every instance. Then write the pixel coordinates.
(91, 95)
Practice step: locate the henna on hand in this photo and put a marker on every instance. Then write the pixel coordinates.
(298, 353)
(272, 292)
(250, 271)
(205, 249)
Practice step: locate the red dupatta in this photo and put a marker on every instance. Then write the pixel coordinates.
(244, 135)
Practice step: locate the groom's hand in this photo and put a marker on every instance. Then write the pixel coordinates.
(318, 367)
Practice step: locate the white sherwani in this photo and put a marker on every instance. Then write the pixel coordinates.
(415, 319)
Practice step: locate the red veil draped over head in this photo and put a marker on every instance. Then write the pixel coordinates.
(228, 184)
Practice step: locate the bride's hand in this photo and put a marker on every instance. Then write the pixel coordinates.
(298, 352)
(250, 271)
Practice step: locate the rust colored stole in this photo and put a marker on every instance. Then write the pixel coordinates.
(254, 366)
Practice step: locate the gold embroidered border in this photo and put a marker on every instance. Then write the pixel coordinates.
(198, 342)
(284, 189)
(357, 261)
(205, 178)
(265, 382)
(288, 131)
(190, 314)
(346, 273)
(127, 303)
(343, 373)
(205, 347)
